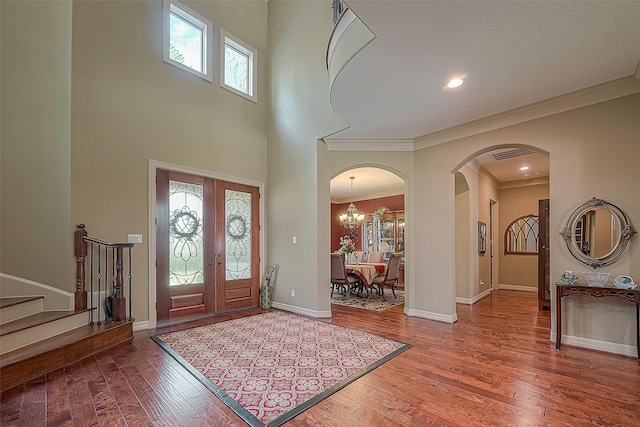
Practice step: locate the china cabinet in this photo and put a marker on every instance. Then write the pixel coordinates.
(384, 233)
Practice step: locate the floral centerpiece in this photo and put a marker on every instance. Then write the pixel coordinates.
(346, 245)
(381, 210)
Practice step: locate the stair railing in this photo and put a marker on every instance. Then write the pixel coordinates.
(104, 258)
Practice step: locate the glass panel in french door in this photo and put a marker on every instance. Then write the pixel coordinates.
(186, 228)
(238, 234)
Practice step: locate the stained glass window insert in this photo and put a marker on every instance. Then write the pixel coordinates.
(236, 65)
(238, 234)
(186, 222)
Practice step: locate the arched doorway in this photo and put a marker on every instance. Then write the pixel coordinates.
(504, 182)
(377, 196)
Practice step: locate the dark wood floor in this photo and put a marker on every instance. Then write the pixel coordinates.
(494, 367)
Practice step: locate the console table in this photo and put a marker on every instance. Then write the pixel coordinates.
(563, 289)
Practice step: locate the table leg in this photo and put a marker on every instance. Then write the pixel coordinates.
(558, 316)
(638, 329)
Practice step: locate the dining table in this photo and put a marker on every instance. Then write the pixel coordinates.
(367, 271)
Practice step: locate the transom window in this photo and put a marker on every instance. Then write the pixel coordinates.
(521, 236)
(187, 36)
(238, 66)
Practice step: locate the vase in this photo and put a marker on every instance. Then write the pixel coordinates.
(347, 257)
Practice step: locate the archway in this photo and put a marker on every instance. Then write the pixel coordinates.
(378, 196)
(501, 188)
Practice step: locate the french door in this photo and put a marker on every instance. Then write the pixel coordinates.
(207, 246)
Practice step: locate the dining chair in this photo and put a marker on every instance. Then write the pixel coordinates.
(375, 257)
(391, 276)
(339, 277)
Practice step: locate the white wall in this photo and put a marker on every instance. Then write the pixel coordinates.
(36, 238)
(518, 271)
(129, 107)
(298, 200)
(593, 152)
(463, 240)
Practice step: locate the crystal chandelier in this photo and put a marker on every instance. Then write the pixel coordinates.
(352, 219)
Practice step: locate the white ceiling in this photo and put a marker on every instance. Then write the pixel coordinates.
(509, 169)
(368, 183)
(513, 53)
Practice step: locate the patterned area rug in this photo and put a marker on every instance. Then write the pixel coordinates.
(372, 302)
(270, 367)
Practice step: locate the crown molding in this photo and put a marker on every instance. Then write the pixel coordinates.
(523, 183)
(484, 174)
(570, 101)
(474, 165)
(358, 144)
(581, 98)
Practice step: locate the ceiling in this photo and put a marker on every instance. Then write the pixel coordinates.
(507, 164)
(511, 53)
(368, 183)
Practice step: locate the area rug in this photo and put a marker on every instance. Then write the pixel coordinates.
(270, 367)
(372, 302)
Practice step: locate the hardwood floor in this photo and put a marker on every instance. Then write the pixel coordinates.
(494, 367)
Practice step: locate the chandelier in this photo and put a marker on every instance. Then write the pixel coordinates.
(352, 219)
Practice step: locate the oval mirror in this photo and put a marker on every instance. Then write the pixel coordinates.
(597, 233)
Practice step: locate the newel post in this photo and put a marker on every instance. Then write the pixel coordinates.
(119, 300)
(81, 253)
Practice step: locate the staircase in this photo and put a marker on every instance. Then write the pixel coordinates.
(38, 337)
(34, 342)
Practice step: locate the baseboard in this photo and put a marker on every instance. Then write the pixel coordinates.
(301, 310)
(517, 288)
(471, 301)
(431, 316)
(143, 325)
(609, 347)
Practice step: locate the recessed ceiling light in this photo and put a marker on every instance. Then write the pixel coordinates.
(454, 83)
(524, 168)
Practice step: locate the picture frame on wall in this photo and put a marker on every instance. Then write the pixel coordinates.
(482, 237)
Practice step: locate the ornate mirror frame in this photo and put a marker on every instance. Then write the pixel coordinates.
(626, 231)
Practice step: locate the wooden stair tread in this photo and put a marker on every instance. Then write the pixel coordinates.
(9, 301)
(37, 359)
(56, 342)
(36, 319)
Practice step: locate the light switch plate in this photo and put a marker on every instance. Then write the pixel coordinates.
(135, 238)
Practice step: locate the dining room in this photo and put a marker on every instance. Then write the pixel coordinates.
(368, 230)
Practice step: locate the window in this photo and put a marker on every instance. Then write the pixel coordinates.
(187, 39)
(521, 236)
(238, 66)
